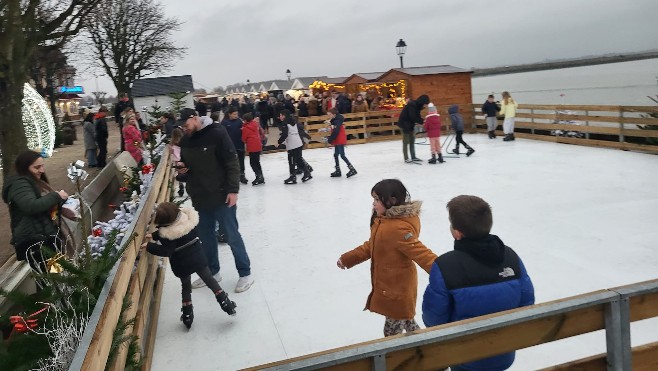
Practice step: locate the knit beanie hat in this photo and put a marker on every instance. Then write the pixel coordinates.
(431, 108)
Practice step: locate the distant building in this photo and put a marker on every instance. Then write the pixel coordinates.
(151, 92)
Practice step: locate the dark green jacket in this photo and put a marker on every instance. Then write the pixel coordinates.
(213, 166)
(29, 211)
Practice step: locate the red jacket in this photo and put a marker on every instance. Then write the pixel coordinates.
(338, 136)
(432, 125)
(251, 136)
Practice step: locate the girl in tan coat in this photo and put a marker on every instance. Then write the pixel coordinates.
(393, 248)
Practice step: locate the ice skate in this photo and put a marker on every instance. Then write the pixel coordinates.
(470, 151)
(243, 179)
(336, 173)
(352, 171)
(441, 160)
(188, 315)
(432, 160)
(307, 177)
(259, 180)
(226, 304)
(291, 180)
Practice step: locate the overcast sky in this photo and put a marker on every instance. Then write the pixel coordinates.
(230, 42)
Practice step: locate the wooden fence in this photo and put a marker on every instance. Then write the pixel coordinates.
(438, 347)
(600, 126)
(141, 283)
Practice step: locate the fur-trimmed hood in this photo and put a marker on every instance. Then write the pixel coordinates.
(184, 224)
(404, 211)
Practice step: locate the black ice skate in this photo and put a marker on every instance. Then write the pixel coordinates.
(307, 177)
(227, 305)
(508, 137)
(441, 160)
(259, 180)
(470, 151)
(243, 179)
(432, 160)
(291, 180)
(336, 173)
(352, 172)
(456, 151)
(188, 315)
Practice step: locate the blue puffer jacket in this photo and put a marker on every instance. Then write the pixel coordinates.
(234, 129)
(480, 276)
(456, 119)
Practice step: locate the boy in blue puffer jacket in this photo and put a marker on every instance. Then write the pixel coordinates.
(480, 276)
(457, 124)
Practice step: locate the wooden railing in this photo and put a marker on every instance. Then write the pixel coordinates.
(600, 126)
(439, 347)
(141, 283)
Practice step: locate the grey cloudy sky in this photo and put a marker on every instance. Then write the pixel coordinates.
(230, 42)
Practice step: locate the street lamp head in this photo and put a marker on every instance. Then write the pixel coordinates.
(288, 73)
(401, 47)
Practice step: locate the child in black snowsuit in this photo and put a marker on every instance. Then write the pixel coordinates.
(177, 239)
(457, 123)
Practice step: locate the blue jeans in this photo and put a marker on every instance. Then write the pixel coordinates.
(339, 150)
(91, 157)
(226, 216)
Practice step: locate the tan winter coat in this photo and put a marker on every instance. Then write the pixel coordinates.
(393, 248)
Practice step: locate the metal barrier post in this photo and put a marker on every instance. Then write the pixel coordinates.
(532, 119)
(587, 124)
(379, 362)
(618, 335)
(621, 126)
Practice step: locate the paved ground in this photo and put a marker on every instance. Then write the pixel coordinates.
(56, 171)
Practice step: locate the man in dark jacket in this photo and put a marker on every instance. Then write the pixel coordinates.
(209, 160)
(122, 105)
(233, 126)
(409, 117)
(480, 276)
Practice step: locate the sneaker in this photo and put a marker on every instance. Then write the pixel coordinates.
(199, 282)
(407, 161)
(244, 283)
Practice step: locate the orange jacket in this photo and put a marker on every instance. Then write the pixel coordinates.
(393, 248)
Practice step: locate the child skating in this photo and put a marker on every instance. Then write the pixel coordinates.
(177, 239)
(338, 139)
(457, 123)
(252, 136)
(394, 246)
(432, 126)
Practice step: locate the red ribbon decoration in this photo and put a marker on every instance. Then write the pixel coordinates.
(24, 325)
(146, 169)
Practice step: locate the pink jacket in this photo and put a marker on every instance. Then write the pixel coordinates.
(132, 139)
(432, 125)
(175, 153)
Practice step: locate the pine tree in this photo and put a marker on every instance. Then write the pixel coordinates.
(178, 101)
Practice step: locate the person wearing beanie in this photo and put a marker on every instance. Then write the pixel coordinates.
(457, 123)
(432, 126)
(409, 117)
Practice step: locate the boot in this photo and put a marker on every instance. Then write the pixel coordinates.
(336, 173)
(243, 179)
(188, 315)
(307, 176)
(299, 171)
(181, 189)
(512, 136)
(307, 166)
(259, 180)
(507, 138)
(456, 150)
(227, 305)
(470, 151)
(491, 134)
(352, 171)
(291, 180)
(433, 159)
(441, 158)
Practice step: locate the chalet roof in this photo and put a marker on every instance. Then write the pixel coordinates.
(162, 86)
(430, 70)
(305, 82)
(334, 80)
(280, 85)
(368, 76)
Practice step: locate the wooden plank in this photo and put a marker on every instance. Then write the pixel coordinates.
(489, 343)
(155, 314)
(568, 127)
(644, 306)
(560, 107)
(645, 357)
(640, 133)
(644, 109)
(639, 120)
(133, 293)
(99, 346)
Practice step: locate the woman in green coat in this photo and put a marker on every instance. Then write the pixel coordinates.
(34, 208)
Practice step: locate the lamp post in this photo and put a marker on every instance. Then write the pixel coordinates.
(400, 48)
(288, 73)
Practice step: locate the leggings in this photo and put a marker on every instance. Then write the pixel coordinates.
(208, 279)
(435, 145)
(459, 139)
(254, 161)
(339, 150)
(295, 159)
(396, 326)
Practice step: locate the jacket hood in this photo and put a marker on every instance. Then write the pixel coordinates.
(489, 250)
(404, 211)
(453, 109)
(187, 219)
(422, 100)
(205, 121)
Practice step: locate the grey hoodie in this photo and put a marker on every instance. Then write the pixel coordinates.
(456, 119)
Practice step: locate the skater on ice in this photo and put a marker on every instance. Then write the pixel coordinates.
(490, 110)
(508, 109)
(457, 123)
(177, 238)
(292, 133)
(480, 276)
(394, 245)
(432, 126)
(409, 117)
(338, 139)
(253, 136)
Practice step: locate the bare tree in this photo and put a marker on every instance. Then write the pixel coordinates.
(24, 25)
(132, 39)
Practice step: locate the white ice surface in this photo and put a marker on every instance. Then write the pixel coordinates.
(581, 218)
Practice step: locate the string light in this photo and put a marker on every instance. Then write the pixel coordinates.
(321, 85)
(38, 122)
(390, 87)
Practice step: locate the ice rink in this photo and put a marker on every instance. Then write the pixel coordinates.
(582, 219)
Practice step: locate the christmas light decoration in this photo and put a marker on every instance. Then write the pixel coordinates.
(38, 122)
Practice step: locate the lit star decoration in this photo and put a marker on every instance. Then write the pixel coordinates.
(38, 122)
